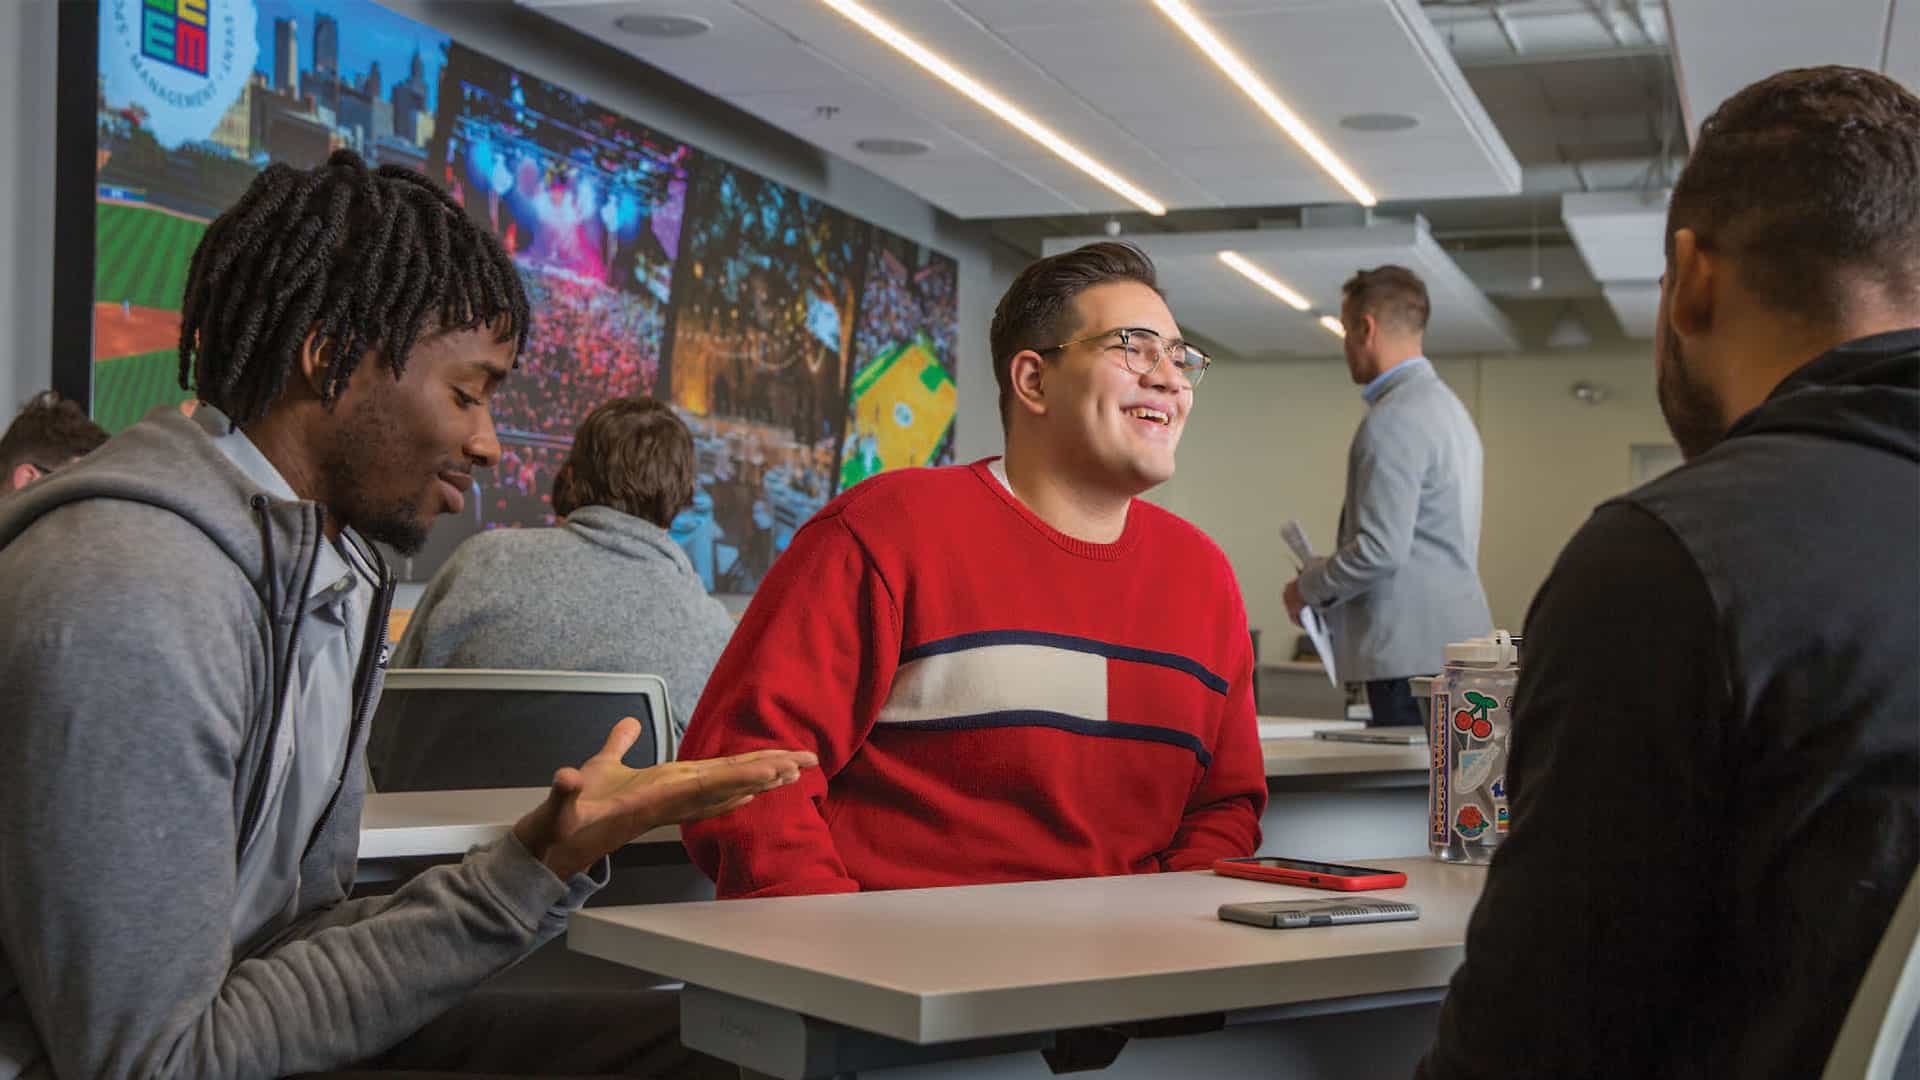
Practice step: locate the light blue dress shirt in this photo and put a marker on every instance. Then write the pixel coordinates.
(1392, 375)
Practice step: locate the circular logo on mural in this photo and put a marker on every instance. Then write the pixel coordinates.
(903, 414)
(181, 62)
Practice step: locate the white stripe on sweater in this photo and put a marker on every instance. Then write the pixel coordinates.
(997, 678)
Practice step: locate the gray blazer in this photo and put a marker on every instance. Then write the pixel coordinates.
(1404, 580)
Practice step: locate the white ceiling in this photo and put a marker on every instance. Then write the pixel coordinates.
(1486, 34)
(1622, 237)
(1211, 299)
(1113, 77)
(1621, 234)
(1635, 303)
(1721, 46)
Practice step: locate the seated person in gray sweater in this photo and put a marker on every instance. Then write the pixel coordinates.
(192, 638)
(608, 590)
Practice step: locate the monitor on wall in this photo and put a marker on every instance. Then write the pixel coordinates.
(806, 348)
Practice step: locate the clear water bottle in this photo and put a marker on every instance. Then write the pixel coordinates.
(1472, 716)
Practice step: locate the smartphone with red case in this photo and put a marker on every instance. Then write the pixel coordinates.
(1312, 875)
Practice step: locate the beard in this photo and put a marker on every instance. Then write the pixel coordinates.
(1692, 412)
(363, 454)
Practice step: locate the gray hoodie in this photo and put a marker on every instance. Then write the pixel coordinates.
(151, 598)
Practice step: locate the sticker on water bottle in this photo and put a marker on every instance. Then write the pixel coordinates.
(1437, 805)
(1470, 822)
(1474, 768)
(1476, 719)
(1501, 819)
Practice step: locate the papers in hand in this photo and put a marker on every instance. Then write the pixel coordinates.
(1310, 620)
(1296, 539)
(1316, 629)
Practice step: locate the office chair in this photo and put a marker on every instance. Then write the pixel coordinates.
(1879, 1023)
(453, 728)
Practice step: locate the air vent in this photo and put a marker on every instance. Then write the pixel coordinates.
(1379, 121)
(893, 147)
(663, 26)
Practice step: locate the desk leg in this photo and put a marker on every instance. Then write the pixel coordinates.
(766, 1040)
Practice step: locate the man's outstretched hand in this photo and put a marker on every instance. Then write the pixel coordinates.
(597, 808)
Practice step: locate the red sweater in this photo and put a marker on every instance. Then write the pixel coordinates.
(991, 699)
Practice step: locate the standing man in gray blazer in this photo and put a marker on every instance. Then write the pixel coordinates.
(1405, 578)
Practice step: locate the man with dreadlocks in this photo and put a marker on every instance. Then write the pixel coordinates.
(193, 642)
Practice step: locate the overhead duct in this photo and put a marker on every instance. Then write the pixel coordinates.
(1622, 237)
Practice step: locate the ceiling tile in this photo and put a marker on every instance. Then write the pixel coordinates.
(1113, 78)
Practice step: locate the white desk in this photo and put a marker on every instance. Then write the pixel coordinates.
(1344, 802)
(431, 824)
(961, 965)
(404, 832)
(1321, 757)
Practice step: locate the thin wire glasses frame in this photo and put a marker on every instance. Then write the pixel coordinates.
(1145, 349)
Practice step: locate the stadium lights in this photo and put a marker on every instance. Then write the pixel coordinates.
(1265, 280)
(1237, 70)
(1033, 129)
(1333, 326)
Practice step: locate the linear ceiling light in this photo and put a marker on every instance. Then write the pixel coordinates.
(1033, 129)
(1265, 280)
(1270, 103)
(1333, 326)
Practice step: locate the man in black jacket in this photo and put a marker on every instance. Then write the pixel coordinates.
(1715, 767)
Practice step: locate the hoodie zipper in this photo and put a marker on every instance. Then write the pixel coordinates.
(372, 659)
(283, 665)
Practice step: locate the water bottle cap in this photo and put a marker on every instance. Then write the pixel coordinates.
(1496, 651)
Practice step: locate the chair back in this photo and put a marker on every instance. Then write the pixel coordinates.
(1879, 1023)
(454, 728)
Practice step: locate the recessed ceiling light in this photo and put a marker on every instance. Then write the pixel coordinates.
(893, 147)
(1265, 280)
(1379, 121)
(980, 95)
(1236, 69)
(1333, 326)
(663, 26)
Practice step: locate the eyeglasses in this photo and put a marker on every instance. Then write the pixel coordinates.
(1145, 350)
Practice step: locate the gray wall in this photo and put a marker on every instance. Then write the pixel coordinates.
(26, 199)
(1267, 442)
(535, 44)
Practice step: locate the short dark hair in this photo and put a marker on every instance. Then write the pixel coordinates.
(633, 454)
(48, 432)
(366, 258)
(1394, 295)
(1038, 306)
(1811, 180)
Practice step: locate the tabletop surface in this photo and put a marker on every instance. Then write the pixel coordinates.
(934, 965)
(401, 824)
(1321, 757)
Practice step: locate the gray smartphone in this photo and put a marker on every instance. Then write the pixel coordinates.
(1296, 914)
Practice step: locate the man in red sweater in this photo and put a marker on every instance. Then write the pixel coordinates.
(1010, 670)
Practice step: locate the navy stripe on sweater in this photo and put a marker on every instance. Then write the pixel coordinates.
(1078, 725)
(981, 639)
